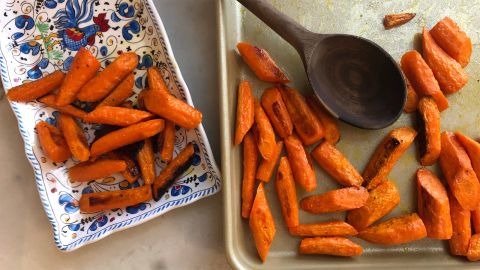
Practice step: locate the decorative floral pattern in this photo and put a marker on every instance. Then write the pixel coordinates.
(38, 37)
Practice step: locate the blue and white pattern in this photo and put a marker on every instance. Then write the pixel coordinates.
(40, 36)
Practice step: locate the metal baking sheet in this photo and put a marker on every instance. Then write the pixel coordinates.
(363, 18)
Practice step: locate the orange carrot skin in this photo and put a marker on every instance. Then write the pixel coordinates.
(266, 167)
(117, 116)
(302, 167)
(476, 220)
(462, 230)
(473, 253)
(168, 143)
(49, 100)
(245, 111)
(132, 172)
(287, 194)
(102, 201)
(265, 134)
(429, 139)
(261, 63)
(473, 150)
(261, 223)
(52, 142)
(332, 135)
(91, 170)
(329, 228)
(33, 90)
(250, 157)
(412, 98)
(453, 40)
(126, 136)
(336, 246)
(83, 68)
(123, 91)
(74, 136)
(146, 162)
(276, 111)
(336, 164)
(336, 200)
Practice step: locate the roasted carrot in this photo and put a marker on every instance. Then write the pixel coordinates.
(458, 171)
(276, 111)
(336, 200)
(245, 111)
(306, 124)
(428, 122)
(302, 167)
(132, 172)
(412, 98)
(453, 40)
(473, 150)
(393, 20)
(102, 201)
(126, 136)
(53, 144)
(123, 91)
(266, 167)
(250, 157)
(381, 200)
(35, 89)
(261, 223)
(83, 68)
(49, 100)
(476, 219)
(261, 63)
(168, 141)
(336, 246)
(433, 205)
(146, 162)
(386, 155)
(74, 136)
(91, 170)
(287, 194)
(117, 116)
(332, 135)
(264, 132)
(462, 230)
(329, 228)
(422, 79)
(473, 253)
(100, 86)
(336, 164)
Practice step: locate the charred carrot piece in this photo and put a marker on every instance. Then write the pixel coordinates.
(126, 136)
(266, 167)
(302, 167)
(53, 144)
(453, 40)
(306, 124)
(117, 116)
(245, 111)
(172, 171)
(261, 63)
(276, 111)
(102, 201)
(412, 98)
(473, 253)
(336, 200)
(146, 162)
(381, 201)
(386, 155)
(336, 164)
(91, 170)
(83, 68)
(422, 79)
(393, 20)
(49, 100)
(265, 134)
(100, 86)
(462, 230)
(132, 172)
(329, 228)
(458, 171)
(428, 121)
(335, 246)
(433, 205)
(261, 223)
(332, 135)
(168, 141)
(473, 150)
(74, 136)
(123, 91)
(250, 157)
(476, 220)
(35, 89)
(287, 194)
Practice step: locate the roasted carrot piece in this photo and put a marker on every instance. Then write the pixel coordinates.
(433, 205)
(476, 220)
(261, 63)
(307, 125)
(276, 111)
(336, 246)
(381, 201)
(473, 150)
(302, 167)
(35, 89)
(412, 98)
(453, 40)
(458, 171)
(473, 253)
(336, 200)
(462, 230)
(265, 134)
(245, 111)
(261, 223)
(329, 228)
(168, 141)
(101, 201)
(336, 164)
(132, 172)
(100, 86)
(117, 116)
(422, 79)
(83, 68)
(386, 155)
(172, 171)
(74, 136)
(123, 91)
(266, 167)
(52, 142)
(126, 136)
(146, 162)
(393, 20)
(91, 170)
(250, 157)
(428, 122)
(49, 100)
(332, 135)
(287, 194)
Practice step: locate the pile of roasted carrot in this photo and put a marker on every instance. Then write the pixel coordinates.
(128, 136)
(443, 212)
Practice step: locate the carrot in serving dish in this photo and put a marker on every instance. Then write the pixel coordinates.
(49, 100)
(335, 246)
(276, 111)
(453, 40)
(302, 167)
(52, 141)
(122, 92)
(35, 89)
(74, 136)
(117, 116)
(264, 133)
(412, 98)
(266, 167)
(329, 228)
(287, 194)
(132, 172)
(167, 141)
(245, 111)
(101, 201)
(146, 162)
(331, 133)
(335, 200)
(428, 122)
(91, 170)
(462, 230)
(250, 157)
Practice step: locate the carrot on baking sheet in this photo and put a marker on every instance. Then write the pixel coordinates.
(335, 246)
(472, 148)
(266, 167)
(453, 40)
(118, 95)
(35, 89)
(412, 98)
(132, 172)
(330, 129)
(91, 170)
(117, 116)
(329, 228)
(52, 141)
(276, 111)
(168, 141)
(49, 100)
(462, 230)
(301, 164)
(428, 122)
(264, 133)
(74, 136)
(473, 253)
(287, 194)
(393, 20)
(102, 84)
(335, 200)
(146, 162)
(101, 201)
(250, 157)
(245, 111)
